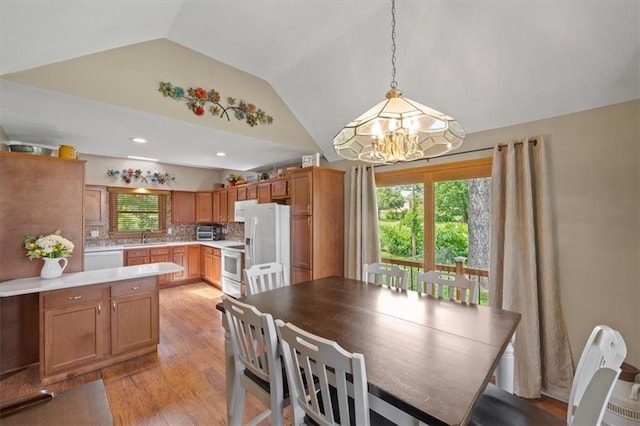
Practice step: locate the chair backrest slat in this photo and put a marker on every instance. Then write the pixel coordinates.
(453, 282)
(317, 371)
(265, 277)
(386, 275)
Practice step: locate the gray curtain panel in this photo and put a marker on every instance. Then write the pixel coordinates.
(523, 272)
(363, 242)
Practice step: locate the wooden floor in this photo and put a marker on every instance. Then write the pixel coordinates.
(185, 382)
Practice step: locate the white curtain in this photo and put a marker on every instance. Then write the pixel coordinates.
(523, 271)
(363, 242)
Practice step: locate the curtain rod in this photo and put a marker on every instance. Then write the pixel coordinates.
(534, 141)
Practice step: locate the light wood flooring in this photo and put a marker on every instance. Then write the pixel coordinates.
(184, 383)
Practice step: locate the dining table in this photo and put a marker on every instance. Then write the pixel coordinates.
(428, 360)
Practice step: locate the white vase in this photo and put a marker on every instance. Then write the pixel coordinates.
(52, 268)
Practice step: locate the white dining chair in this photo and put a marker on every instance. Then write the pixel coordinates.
(331, 398)
(258, 364)
(593, 382)
(386, 275)
(459, 287)
(264, 277)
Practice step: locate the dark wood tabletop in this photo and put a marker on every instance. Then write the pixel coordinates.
(429, 357)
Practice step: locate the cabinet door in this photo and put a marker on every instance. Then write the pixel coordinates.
(204, 207)
(280, 189)
(134, 315)
(301, 193)
(300, 275)
(161, 255)
(264, 193)
(301, 237)
(216, 206)
(193, 261)
(136, 257)
(75, 327)
(207, 264)
(232, 196)
(217, 267)
(183, 207)
(95, 205)
(180, 256)
(224, 209)
(242, 193)
(252, 191)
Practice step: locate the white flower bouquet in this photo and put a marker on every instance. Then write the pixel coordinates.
(47, 246)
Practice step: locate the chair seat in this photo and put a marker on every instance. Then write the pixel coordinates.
(265, 384)
(500, 408)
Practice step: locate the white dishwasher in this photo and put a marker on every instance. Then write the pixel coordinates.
(103, 259)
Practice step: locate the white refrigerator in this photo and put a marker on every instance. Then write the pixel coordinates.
(267, 236)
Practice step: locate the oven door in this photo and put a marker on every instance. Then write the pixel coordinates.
(232, 265)
(231, 287)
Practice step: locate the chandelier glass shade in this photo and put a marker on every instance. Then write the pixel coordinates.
(398, 129)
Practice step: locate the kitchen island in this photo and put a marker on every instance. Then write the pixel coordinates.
(89, 320)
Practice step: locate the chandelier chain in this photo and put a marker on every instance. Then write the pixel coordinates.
(394, 83)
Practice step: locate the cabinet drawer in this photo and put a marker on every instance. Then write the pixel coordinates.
(217, 252)
(159, 251)
(208, 251)
(133, 287)
(137, 253)
(74, 296)
(180, 249)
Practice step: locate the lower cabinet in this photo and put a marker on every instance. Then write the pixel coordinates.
(161, 255)
(212, 265)
(87, 328)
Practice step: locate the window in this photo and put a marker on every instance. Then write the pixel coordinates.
(430, 216)
(136, 210)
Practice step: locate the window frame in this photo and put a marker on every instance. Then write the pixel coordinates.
(428, 176)
(113, 211)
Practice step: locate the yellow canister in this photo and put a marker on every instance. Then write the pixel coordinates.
(67, 151)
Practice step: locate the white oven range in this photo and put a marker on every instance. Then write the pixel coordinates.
(232, 270)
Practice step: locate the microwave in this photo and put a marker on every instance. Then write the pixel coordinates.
(239, 209)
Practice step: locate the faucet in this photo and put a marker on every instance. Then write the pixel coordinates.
(143, 237)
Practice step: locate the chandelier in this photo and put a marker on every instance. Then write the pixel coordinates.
(398, 129)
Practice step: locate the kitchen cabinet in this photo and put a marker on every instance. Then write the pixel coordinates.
(75, 323)
(204, 207)
(242, 193)
(280, 188)
(183, 207)
(252, 191)
(193, 262)
(134, 315)
(224, 206)
(216, 206)
(162, 254)
(139, 256)
(87, 328)
(317, 223)
(95, 205)
(264, 192)
(211, 265)
(179, 257)
(217, 267)
(232, 196)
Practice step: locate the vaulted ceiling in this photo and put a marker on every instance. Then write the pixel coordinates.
(317, 63)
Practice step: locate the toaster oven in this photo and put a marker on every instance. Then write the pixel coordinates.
(207, 233)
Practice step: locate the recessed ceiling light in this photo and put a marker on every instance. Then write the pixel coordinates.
(220, 154)
(133, 157)
(139, 140)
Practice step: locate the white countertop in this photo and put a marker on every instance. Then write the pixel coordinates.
(216, 244)
(79, 279)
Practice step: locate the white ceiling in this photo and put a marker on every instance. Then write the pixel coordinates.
(487, 63)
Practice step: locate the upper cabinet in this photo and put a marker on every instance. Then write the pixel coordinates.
(266, 191)
(204, 207)
(95, 205)
(183, 207)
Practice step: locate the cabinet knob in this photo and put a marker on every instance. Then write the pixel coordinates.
(113, 305)
(135, 287)
(74, 297)
(99, 308)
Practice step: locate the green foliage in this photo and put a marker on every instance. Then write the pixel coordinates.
(451, 241)
(452, 199)
(389, 198)
(394, 215)
(395, 240)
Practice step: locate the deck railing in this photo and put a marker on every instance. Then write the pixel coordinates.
(474, 274)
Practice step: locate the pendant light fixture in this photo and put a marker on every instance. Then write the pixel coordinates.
(398, 129)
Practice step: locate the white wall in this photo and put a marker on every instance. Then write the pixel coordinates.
(594, 159)
(187, 178)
